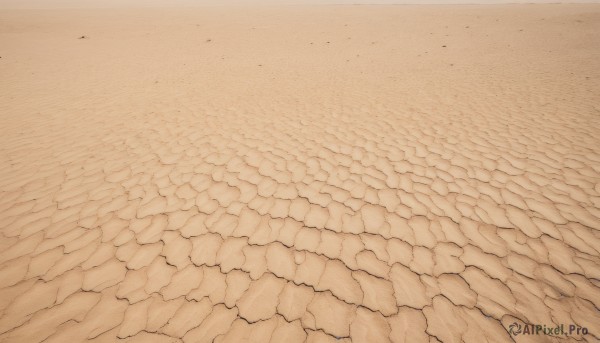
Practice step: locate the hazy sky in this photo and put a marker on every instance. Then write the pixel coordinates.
(175, 3)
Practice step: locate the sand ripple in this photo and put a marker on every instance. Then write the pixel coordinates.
(158, 185)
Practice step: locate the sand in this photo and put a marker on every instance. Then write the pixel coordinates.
(299, 173)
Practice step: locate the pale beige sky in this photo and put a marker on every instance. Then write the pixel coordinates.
(177, 3)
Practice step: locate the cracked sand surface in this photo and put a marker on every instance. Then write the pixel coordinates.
(292, 174)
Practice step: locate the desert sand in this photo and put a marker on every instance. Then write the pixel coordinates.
(299, 173)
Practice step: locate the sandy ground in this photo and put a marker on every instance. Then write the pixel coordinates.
(289, 174)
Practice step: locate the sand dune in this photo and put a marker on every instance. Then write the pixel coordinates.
(300, 173)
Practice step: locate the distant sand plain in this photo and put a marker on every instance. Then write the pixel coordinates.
(299, 173)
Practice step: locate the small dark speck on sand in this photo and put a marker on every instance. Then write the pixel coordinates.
(83, 37)
(443, 46)
(260, 65)
(208, 40)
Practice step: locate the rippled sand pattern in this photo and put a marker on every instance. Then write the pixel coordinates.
(357, 173)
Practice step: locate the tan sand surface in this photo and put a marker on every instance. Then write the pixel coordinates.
(299, 173)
